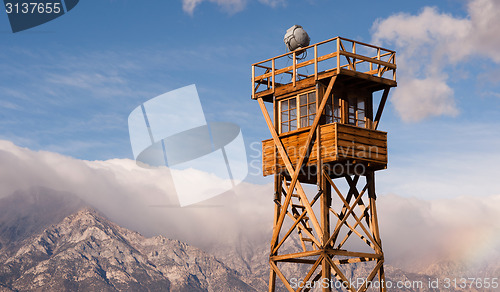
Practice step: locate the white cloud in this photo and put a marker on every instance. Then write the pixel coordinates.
(416, 233)
(431, 43)
(419, 235)
(141, 199)
(417, 98)
(273, 3)
(230, 6)
(189, 5)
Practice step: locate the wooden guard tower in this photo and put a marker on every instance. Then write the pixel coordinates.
(324, 133)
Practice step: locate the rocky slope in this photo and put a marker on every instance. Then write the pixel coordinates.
(30, 211)
(51, 241)
(87, 252)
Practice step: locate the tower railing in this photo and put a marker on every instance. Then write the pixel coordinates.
(329, 57)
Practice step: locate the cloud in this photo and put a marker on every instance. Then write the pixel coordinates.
(274, 3)
(429, 45)
(59, 99)
(141, 199)
(419, 235)
(416, 233)
(419, 98)
(230, 6)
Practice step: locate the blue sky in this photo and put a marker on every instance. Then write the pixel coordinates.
(69, 85)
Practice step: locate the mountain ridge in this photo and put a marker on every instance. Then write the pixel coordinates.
(87, 251)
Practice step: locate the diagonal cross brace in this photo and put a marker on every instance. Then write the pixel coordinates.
(296, 171)
(351, 209)
(297, 220)
(381, 107)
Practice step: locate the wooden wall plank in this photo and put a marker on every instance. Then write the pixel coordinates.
(351, 142)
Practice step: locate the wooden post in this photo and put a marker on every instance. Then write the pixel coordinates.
(278, 178)
(273, 73)
(381, 108)
(379, 72)
(370, 178)
(326, 201)
(394, 70)
(338, 55)
(253, 81)
(294, 73)
(354, 59)
(316, 62)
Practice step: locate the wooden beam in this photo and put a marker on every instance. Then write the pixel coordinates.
(363, 209)
(350, 193)
(351, 212)
(272, 280)
(281, 276)
(338, 55)
(351, 66)
(350, 232)
(340, 252)
(288, 164)
(316, 278)
(340, 274)
(311, 272)
(253, 81)
(377, 79)
(316, 62)
(299, 261)
(304, 254)
(365, 287)
(385, 69)
(351, 261)
(368, 59)
(277, 199)
(304, 151)
(293, 227)
(304, 229)
(351, 209)
(353, 229)
(296, 171)
(381, 277)
(381, 106)
(273, 69)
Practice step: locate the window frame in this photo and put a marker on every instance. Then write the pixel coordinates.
(335, 103)
(354, 119)
(298, 111)
(345, 109)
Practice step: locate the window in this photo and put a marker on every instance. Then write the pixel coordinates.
(357, 112)
(307, 109)
(288, 116)
(332, 116)
(297, 112)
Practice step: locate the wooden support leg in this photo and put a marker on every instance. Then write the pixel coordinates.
(278, 180)
(272, 280)
(326, 201)
(374, 225)
(278, 187)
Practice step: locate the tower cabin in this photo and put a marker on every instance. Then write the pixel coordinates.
(345, 72)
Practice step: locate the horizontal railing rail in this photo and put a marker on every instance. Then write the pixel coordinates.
(346, 54)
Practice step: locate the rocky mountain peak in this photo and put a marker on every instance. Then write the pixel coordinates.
(86, 251)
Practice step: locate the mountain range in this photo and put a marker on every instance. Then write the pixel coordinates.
(53, 241)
